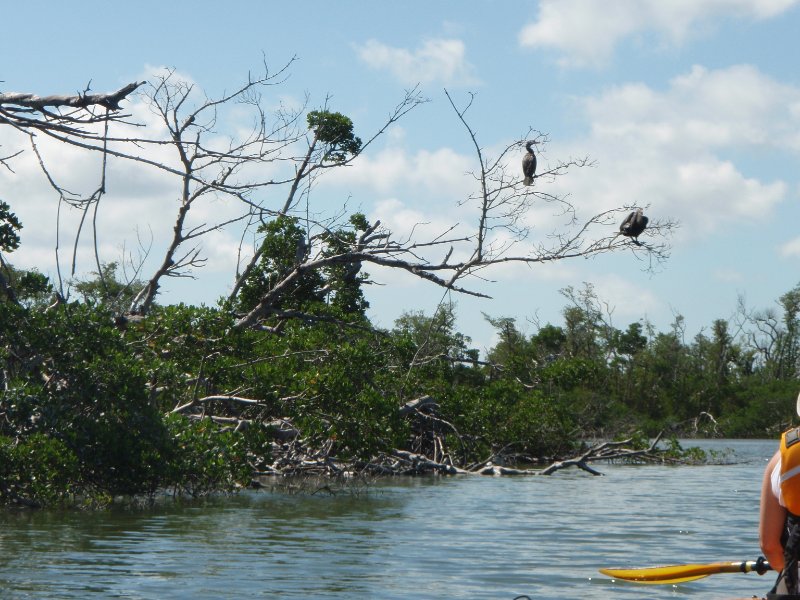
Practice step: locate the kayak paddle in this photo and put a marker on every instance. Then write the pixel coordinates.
(681, 573)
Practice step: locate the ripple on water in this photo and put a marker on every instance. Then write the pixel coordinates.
(477, 538)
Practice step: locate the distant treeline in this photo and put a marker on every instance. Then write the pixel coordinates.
(736, 378)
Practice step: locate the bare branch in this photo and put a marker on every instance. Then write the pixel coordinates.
(11, 100)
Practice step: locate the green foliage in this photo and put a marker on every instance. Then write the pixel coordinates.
(93, 429)
(504, 415)
(549, 342)
(584, 328)
(9, 226)
(344, 279)
(349, 397)
(629, 342)
(569, 373)
(283, 237)
(761, 410)
(30, 287)
(692, 454)
(514, 356)
(282, 277)
(94, 400)
(36, 471)
(87, 407)
(335, 131)
(718, 384)
(207, 460)
(432, 337)
(106, 288)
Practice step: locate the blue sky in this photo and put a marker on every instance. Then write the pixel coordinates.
(689, 108)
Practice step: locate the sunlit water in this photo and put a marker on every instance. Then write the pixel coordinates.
(465, 537)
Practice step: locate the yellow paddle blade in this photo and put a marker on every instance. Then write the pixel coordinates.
(656, 575)
(678, 573)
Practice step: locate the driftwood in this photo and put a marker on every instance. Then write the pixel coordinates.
(608, 451)
(296, 459)
(294, 455)
(183, 408)
(417, 405)
(410, 463)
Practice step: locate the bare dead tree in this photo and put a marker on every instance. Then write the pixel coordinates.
(80, 120)
(63, 114)
(267, 170)
(244, 168)
(501, 207)
(315, 160)
(208, 169)
(235, 171)
(766, 334)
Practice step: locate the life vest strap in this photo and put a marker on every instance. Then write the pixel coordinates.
(792, 437)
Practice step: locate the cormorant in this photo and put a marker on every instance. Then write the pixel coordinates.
(529, 164)
(300, 250)
(633, 225)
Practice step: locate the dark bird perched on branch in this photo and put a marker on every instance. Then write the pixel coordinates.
(529, 164)
(300, 250)
(351, 271)
(633, 225)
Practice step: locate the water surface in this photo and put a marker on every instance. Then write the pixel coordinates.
(464, 537)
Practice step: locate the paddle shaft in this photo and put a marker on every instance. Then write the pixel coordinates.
(680, 573)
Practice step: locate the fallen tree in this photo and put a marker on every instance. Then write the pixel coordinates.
(293, 456)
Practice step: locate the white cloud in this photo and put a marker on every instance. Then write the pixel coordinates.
(668, 149)
(441, 172)
(437, 60)
(426, 223)
(791, 248)
(681, 151)
(586, 32)
(626, 299)
(135, 216)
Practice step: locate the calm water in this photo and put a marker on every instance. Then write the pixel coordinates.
(466, 537)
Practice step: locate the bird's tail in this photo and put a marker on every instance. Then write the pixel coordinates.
(528, 181)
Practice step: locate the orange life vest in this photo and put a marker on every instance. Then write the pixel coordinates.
(790, 470)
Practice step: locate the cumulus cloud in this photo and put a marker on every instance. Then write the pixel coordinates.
(436, 60)
(680, 151)
(586, 32)
(731, 106)
(135, 216)
(670, 149)
(441, 171)
(627, 299)
(791, 249)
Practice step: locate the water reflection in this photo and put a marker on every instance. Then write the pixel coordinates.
(423, 538)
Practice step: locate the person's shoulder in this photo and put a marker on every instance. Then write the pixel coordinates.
(774, 462)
